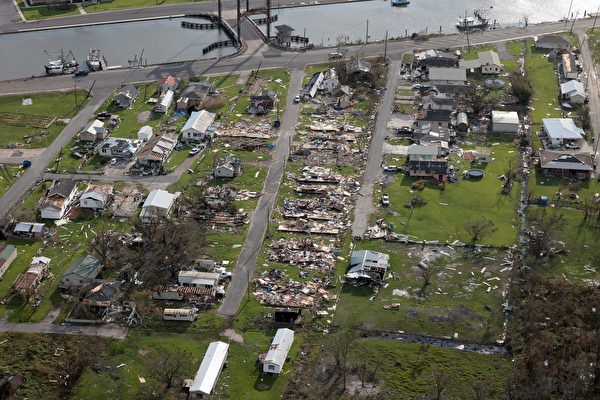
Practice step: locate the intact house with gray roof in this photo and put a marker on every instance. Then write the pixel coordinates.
(81, 272)
(553, 42)
(448, 76)
(126, 96)
(561, 131)
(566, 165)
(367, 267)
(572, 91)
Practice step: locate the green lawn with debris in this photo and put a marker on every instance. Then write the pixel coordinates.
(446, 213)
(516, 50)
(9, 173)
(541, 73)
(38, 124)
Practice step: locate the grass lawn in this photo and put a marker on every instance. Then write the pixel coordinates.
(8, 175)
(540, 72)
(454, 302)
(121, 4)
(516, 50)
(223, 81)
(41, 12)
(34, 125)
(580, 238)
(445, 214)
(406, 368)
(475, 50)
(594, 44)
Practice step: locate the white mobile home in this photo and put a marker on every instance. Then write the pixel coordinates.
(278, 351)
(199, 279)
(163, 104)
(180, 314)
(205, 381)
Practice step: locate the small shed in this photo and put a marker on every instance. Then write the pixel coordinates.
(284, 35)
(209, 280)
(158, 204)
(505, 122)
(34, 230)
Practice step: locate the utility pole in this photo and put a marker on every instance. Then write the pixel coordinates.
(239, 20)
(595, 18)
(367, 34)
(247, 5)
(385, 46)
(248, 285)
(574, 19)
(569, 13)
(468, 42)
(75, 86)
(219, 10)
(268, 21)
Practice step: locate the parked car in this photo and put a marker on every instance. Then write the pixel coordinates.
(335, 55)
(81, 72)
(297, 99)
(195, 151)
(385, 200)
(574, 146)
(390, 168)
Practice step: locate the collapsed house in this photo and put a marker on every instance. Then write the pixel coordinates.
(57, 201)
(272, 289)
(119, 148)
(304, 253)
(27, 284)
(190, 294)
(100, 294)
(367, 267)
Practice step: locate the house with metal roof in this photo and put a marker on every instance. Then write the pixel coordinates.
(572, 91)
(198, 126)
(29, 229)
(448, 76)
(272, 362)
(8, 253)
(505, 122)
(209, 280)
(207, 376)
(313, 84)
(164, 102)
(168, 83)
(159, 203)
(145, 133)
(422, 152)
(126, 96)
(561, 131)
(566, 165)
(57, 201)
(80, 272)
(367, 266)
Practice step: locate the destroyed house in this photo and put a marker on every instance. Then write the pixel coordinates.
(263, 103)
(330, 81)
(367, 266)
(196, 295)
(56, 202)
(209, 280)
(272, 362)
(32, 230)
(436, 169)
(82, 271)
(445, 62)
(126, 96)
(205, 380)
(568, 66)
(28, 282)
(359, 70)
(8, 253)
(566, 165)
(100, 294)
(158, 149)
(193, 95)
(313, 84)
(119, 148)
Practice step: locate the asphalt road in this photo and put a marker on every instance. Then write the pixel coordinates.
(109, 331)
(364, 203)
(260, 218)
(592, 86)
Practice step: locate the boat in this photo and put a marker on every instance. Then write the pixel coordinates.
(93, 60)
(399, 3)
(61, 65)
(477, 21)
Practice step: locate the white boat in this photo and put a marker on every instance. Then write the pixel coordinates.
(61, 65)
(54, 67)
(470, 23)
(93, 60)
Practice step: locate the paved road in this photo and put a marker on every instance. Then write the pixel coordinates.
(592, 85)
(364, 203)
(109, 331)
(258, 226)
(8, 13)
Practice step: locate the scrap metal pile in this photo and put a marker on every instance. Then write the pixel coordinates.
(305, 253)
(273, 290)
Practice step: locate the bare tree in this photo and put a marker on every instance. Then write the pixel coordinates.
(543, 229)
(441, 380)
(426, 273)
(103, 246)
(339, 347)
(510, 174)
(479, 391)
(480, 229)
(167, 366)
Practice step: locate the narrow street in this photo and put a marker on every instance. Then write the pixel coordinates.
(260, 218)
(109, 331)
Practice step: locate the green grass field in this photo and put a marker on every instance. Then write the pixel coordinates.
(42, 12)
(8, 175)
(105, 5)
(28, 124)
(445, 215)
(516, 50)
(540, 72)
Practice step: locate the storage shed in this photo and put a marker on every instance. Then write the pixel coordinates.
(505, 122)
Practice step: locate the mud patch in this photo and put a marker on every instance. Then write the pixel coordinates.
(143, 117)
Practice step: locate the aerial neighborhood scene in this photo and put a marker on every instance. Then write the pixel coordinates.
(343, 199)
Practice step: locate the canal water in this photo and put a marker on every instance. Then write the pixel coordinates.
(331, 24)
(162, 41)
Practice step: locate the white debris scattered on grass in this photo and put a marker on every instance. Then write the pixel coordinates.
(483, 270)
(236, 246)
(400, 292)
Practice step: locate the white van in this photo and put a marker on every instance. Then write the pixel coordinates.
(335, 55)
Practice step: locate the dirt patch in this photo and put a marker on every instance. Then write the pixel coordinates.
(257, 86)
(230, 333)
(356, 389)
(143, 352)
(454, 316)
(144, 116)
(412, 312)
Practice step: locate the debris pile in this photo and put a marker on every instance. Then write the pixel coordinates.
(317, 175)
(305, 253)
(272, 290)
(320, 208)
(245, 130)
(310, 227)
